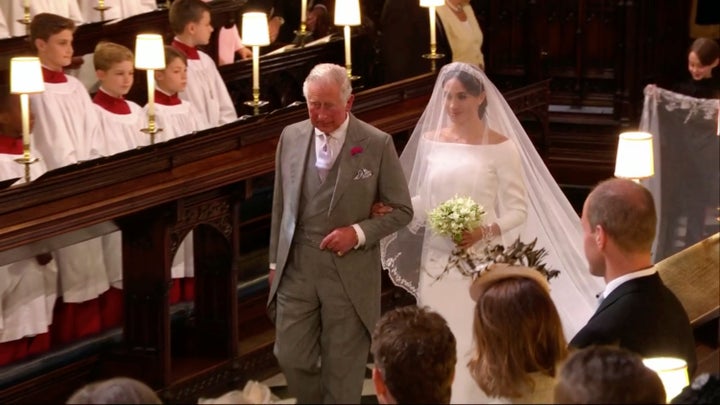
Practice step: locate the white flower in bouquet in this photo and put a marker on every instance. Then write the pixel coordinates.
(455, 216)
(452, 218)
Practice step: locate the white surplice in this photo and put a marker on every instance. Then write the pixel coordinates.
(27, 289)
(14, 10)
(4, 30)
(118, 9)
(207, 92)
(67, 130)
(121, 132)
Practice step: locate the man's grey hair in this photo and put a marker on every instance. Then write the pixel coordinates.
(118, 390)
(329, 73)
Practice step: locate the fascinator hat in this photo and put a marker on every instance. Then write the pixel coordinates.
(502, 271)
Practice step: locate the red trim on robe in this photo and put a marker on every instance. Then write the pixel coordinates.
(164, 99)
(111, 308)
(74, 321)
(53, 76)
(113, 104)
(175, 292)
(190, 51)
(188, 288)
(13, 350)
(10, 145)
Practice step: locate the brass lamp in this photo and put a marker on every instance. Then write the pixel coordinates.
(302, 34)
(149, 56)
(255, 33)
(673, 374)
(347, 13)
(101, 7)
(26, 20)
(433, 55)
(635, 156)
(25, 79)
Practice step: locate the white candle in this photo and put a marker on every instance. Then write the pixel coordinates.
(101, 4)
(151, 91)
(432, 24)
(26, 3)
(303, 11)
(256, 67)
(348, 56)
(25, 112)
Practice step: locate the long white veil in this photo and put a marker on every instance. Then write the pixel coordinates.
(550, 217)
(686, 183)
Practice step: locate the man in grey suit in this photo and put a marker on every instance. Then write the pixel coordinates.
(324, 247)
(637, 311)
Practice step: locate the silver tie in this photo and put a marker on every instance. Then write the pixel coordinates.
(324, 159)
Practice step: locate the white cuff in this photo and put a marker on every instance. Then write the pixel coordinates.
(272, 266)
(360, 236)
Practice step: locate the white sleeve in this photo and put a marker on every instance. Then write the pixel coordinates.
(513, 206)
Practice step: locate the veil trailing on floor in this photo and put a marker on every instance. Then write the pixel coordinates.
(686, 183)
(550, 217)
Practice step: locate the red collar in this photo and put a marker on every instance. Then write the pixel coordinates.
(53, 76)
(164, 99)
(11, 146)
(113, 104)
(190, 51)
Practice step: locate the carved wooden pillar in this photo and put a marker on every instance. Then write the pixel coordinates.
(150, 241)
(215, 332)
(147, 256)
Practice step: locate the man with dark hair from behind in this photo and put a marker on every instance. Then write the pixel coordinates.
(414, 353)
(607, 375)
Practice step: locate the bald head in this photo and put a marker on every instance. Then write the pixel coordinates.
(626, 212)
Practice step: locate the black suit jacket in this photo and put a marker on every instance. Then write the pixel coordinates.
(644, 316)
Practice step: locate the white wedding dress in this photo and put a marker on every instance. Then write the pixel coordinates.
(480, 172)
(518, 193)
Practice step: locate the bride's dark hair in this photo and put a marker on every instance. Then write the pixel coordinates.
(471, 83)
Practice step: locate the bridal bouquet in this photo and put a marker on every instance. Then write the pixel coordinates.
(452, 218)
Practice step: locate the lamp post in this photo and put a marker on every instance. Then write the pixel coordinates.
(25, 79)
(255, 33)
(433, 55)
(347, 13)
(634, 156)
(149, 56)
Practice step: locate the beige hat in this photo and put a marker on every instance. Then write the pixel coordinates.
(500, 271)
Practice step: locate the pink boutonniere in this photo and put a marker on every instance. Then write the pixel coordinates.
(356, 150)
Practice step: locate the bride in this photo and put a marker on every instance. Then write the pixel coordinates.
(469, 143)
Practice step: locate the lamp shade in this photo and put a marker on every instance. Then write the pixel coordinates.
(634, 156)
(431, 3)
(149, 52)
(673, 374)
(255, 29)
(26, 75)
(347, 12)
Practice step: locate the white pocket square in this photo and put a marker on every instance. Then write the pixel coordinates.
(362, 174)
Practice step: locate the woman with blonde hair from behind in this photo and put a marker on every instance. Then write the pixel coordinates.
(518, 335)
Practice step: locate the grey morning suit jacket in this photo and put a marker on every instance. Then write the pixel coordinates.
(368, 171)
